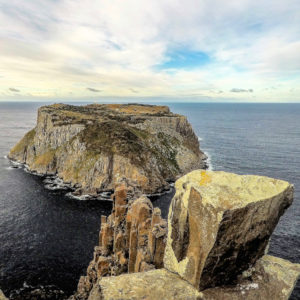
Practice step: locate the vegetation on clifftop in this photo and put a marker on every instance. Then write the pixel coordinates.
(92, 146)
(26, 141)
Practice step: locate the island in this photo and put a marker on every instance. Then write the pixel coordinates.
(91, 147)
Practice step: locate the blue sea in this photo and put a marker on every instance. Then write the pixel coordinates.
(47, 238)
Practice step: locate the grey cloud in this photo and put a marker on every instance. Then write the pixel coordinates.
(14, 90)
(93, 90)
(241, 90)
(133, 90)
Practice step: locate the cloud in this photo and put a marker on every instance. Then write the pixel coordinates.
(93, 90)
(241, 90)
(14, 90)
(58, 47)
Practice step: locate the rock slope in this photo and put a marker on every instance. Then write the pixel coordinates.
(92, 146)
(219, 225)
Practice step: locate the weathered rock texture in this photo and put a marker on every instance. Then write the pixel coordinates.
(92, 146)
(131, 239)
(151, 285)
(271, 278)
(220, 224)
(2, 297)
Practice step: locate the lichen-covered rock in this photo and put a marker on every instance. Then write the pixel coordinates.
(92, 146)
(220, 224)
(2, 296)
(151, 285)
(271, 278)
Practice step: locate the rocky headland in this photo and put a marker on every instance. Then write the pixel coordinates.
(90, 147)
(214, 245)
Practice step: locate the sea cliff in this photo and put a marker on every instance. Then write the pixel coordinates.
(91, 147)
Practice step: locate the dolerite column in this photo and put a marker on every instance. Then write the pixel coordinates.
(220, 224)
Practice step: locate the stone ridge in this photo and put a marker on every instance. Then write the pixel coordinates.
(92, 146)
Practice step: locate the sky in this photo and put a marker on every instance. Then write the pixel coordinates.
(204, 50)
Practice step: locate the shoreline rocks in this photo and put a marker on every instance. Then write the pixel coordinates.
(92, 146)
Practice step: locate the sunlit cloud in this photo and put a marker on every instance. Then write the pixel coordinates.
(200, 49)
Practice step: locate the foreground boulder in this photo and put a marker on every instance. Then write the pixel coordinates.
(271, 278)
(220, 224)
(2, 297)
(91, 146)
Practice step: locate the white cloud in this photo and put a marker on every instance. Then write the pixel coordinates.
(55, 48)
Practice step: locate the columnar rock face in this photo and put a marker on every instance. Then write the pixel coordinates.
(131, 239)
(220, 224)
(218, 228)
(92, 146)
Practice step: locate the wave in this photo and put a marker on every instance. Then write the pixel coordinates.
(104, 196)
(208, 159)
(37, 292)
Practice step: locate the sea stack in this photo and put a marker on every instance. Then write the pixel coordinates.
(91, 147)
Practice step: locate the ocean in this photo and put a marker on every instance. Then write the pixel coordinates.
(47, 238)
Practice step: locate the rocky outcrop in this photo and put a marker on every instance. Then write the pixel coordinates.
(151, 285)
(2, 297)
(131, 239)
(219, 226)
(271, 278)
(92, 146)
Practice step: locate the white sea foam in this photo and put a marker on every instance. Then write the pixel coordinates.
(81, 197)
(55, 183)
(208, 160)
